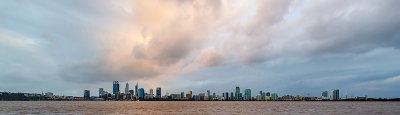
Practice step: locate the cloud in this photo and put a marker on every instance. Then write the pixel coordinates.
(166, 33)
(100, 70)
(210, 57)
(201, 42)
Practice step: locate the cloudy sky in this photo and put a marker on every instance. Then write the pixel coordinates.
(284, 46)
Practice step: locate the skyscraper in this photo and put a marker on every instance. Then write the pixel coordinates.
(247, 94)
(131, 92)
(136, 89)
(226, 95)
(274, 96)
(335, 94)
(324, 95)
(202, 95)
(151, 92)
(141, 93)
(126, 87)
(158, 92)
(86, 94)
(232, 97)
(182, 95)
(189, 95)
(115, 87)
(268, 94)
(101, 92)
(208, 95)
(237, 93)
(214, 96)
(262, 95)
(240, 96)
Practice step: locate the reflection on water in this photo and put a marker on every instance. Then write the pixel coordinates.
(191, 107)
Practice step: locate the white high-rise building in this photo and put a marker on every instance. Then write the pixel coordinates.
(151, 92)
(274, 96)
(127, 88)
(335, 94)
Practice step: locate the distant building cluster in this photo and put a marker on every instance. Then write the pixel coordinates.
(128, 94)
(8, 96)
(140, 94)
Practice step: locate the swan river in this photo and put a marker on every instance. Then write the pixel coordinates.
(199, 107)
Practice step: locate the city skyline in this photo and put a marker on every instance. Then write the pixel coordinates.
(281, 46)
(245, 95)
(142, 95)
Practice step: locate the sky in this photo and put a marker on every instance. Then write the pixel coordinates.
(295, 47)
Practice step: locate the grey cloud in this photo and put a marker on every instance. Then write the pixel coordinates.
(210, 58)
(317, 28)
(100, 70)
(352, 73)
(355, 27)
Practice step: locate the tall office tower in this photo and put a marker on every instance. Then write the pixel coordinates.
(237, 93)
(247, 94)
(232, 97)
(202, 96)
(141, 93)
(151, 92)
(126, 88)
(86, 94)
(268, 94)
(101, 92)
(189, 95)
(263, 96)
(240, 96)
(158, 92)
(214, 96)
(131, 92)
(335, 94)
(182, 95)
(208, 95)
(136, 89)
(226, 95)
(324, 95)
(115, 87)
(274, 96)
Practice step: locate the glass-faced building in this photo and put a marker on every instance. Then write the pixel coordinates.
(237, 93)
(141, 93)
(158, 92)
(335, 94)
(247, 94)
(115, 87)
(136, 88)
(86, 94)
(268, 94)
(274, 96)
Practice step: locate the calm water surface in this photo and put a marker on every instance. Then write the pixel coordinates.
(191, 107)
